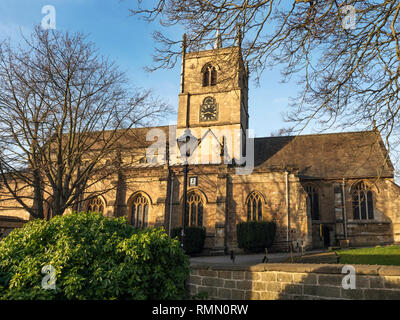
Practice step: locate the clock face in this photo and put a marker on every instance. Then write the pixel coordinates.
(209, 110)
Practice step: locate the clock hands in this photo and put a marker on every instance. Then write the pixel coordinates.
(208, 110)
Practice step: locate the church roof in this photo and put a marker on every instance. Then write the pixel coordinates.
(335, 155)
(332, 155)
(132, 138)
(11, 222)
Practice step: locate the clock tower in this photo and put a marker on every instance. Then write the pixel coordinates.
(214, 93)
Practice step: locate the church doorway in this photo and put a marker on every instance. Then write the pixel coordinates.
(326, 237)
(322, 236)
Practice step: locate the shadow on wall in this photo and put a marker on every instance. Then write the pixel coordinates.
(330, 283)
(295, 282)
(272, 187)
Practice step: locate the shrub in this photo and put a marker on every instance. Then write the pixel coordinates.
(194, 238)
(255, 236)
(93, 258)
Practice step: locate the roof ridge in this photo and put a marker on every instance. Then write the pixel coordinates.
(317, 134)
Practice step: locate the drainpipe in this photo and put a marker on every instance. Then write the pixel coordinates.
(170, 206)
(287, 205)
(344, 209)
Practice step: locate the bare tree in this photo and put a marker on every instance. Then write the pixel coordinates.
(281, 132)
(65, 112)
(345, 54)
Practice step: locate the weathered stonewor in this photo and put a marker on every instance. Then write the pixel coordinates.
(293, 281)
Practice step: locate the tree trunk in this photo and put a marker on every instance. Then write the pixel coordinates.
(38, 195)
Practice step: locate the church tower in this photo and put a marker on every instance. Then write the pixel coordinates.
(214, 92)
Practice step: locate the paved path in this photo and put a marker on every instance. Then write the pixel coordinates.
(246, 259)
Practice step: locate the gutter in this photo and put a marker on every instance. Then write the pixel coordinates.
(170, 206)
(344, 209)
(287, 205)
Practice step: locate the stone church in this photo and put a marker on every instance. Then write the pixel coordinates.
(322, 189)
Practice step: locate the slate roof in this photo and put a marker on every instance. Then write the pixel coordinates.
(11, 222)
(334, 155)
(129, 138)
(11, 219)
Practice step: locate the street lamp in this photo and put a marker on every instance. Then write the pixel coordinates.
(187, 143)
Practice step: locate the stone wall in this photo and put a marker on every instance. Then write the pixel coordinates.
(271, 184)
(293, 281)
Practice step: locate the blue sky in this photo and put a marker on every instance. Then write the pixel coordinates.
(128, 41)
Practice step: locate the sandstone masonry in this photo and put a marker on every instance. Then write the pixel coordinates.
(293, 282)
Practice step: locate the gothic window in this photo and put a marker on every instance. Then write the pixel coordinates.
(209, 75)
(194, 210)
(140, 211)
(363, 206)
(254, 207)
(213, 76)
(95, 204)
(206, 78)
(312, 202)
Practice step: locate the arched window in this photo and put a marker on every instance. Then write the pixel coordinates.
(312, 203)
(363, 206)
(95, 204)
(206, 78)
(254, 207)
(194, 210)
(209, 75)
(213, 76)
(140, 211)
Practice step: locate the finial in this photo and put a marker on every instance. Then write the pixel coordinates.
(184, 43)
(239, 35)
(218, 39)
(374, 125)
(222, 145)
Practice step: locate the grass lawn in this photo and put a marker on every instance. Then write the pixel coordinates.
(389, 255)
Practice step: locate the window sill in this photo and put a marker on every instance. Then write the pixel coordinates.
(317, 222)
(367, 222)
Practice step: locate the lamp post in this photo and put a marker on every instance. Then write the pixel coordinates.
(187, 143)
(185, 175)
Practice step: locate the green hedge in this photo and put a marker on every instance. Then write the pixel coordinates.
(93, 258)
(194, 238)
(255, 236)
